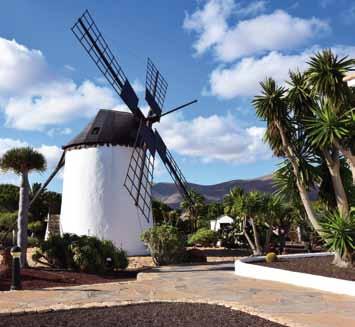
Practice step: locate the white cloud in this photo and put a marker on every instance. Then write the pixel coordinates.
(56, 103)
(19, 67)
(59, 131)
(210, 23)
(243, 78)
(33, 99)
(138, 86)
(7, 144)
(275, 31)
(251, 9)
(70, 68)
(214, 138)
(52, 153)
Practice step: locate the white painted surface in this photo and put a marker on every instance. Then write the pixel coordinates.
(351, 83)
(339, 286)
(95, 201)
(216, 224)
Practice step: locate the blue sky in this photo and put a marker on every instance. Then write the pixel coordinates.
(216, 51)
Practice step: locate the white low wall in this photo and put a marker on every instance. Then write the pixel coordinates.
(339, 286)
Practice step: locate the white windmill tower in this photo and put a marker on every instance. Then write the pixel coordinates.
(111, 161)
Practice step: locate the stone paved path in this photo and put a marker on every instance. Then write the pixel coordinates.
(212, 284)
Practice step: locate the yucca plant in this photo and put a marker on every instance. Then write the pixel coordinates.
(326, 125)
(339, 233)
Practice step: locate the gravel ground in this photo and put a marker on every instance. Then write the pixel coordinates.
(35, 278)
(142, 315)
(321, 266)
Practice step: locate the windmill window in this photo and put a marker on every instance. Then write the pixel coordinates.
(95, 131)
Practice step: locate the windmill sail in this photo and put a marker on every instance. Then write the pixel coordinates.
(95, 45)
(172, 167)
(155, 89)
(139, 177)
(60, 164)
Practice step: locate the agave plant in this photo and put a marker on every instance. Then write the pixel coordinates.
(339, 233)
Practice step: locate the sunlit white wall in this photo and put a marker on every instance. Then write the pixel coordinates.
(95, 201)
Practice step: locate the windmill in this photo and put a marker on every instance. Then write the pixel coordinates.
(109, 166)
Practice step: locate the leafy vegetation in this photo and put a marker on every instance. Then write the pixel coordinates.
(311, 124)
(83, 253)
(339, 234)
(203, 237)
(165, 243)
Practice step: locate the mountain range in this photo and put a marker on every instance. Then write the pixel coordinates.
(168, 193)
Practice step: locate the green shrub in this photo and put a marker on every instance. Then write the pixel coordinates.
(33, 242)
(165, 243)
(338, 231)
(56, 250)
(93, 255)
(84, 253)
(203, 237)
(37, 228)
(7, 225)
(8, 221)
(271, 257)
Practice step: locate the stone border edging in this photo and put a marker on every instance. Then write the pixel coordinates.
(243, 268)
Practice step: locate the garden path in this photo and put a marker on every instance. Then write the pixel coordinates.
(213, 283)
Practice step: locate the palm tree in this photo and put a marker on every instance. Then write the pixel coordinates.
(334, 122)
(196, 209)
(302, 102)
(310, 124)
(284, 139)
(22, 161)
(230, 201)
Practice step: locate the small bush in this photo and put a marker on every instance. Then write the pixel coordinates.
(203, 237)
(84, 253)
(165, 243)
(7, 225)
(32, 242)
(271, 257)
(338, 231)
(93, 255)
(37, 228)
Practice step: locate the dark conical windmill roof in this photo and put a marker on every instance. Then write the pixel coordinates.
(108, 127)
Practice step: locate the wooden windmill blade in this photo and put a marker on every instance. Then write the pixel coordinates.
(139, 176)
(60, 164)
(155, 89)
(97, 48)
(172, 167)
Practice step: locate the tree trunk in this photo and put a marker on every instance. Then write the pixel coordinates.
(350, 158)
(308, 206)
(268, 239)
(301, 188)
(22, 220)
(245, 233)
(256, 238)
(342, 261)
(333, 164)
(352, 168)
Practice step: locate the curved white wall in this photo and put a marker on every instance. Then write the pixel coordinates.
(94, 200)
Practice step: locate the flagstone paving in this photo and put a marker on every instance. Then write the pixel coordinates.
(217, 284)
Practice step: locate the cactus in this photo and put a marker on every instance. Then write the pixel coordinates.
(271, 257)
